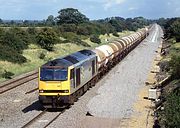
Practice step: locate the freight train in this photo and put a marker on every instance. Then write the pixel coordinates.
(63, 80)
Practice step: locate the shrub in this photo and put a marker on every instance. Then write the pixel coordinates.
(32, 33)
(175, 66)
(32, 30)
(82, 31)
(66, 41)
(115, 34)
(7, 75)
(80, 42)
(15, 42)
(164, 66)
(95, 39)
(42, 55)
(11, 55)
(47, 38)
(68, 28)
(69, 35)
(170, 115)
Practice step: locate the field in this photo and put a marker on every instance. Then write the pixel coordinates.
(33, 52)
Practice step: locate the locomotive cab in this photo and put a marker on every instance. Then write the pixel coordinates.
(54, 81)
(54, 85)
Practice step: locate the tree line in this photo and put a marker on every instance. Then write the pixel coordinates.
(171, 27)
(70, 24)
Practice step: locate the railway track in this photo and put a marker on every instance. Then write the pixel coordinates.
(6, 86)
(31, 91)
(34, 119)
(53, 119)
(40, 115)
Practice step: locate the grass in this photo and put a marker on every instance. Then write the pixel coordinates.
(33, 52)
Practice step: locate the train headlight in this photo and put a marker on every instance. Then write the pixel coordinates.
(66, 91)
(41, 91)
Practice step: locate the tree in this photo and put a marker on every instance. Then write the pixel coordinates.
(12, 22)
(176, 29)
(1, 21)
(26, 22)
(141, 21)
(162, 21)
(71, 16)
(47, 38)
(116, 24)
(50, 20)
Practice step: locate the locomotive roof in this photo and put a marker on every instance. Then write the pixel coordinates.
(69, 60)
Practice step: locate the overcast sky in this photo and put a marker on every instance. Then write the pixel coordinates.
(93, 9)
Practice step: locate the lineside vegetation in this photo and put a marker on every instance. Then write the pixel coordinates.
(169, 117)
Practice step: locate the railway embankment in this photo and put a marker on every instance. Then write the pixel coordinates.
(143, 116)
(168, 82)
(158, 101)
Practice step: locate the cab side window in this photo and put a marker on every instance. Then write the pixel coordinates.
(72, 79)
(72, 74)
(93, 67)
(78, 78)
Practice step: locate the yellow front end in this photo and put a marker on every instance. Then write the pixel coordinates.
(54, 88)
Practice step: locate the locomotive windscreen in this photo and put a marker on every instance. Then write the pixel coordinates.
(48, 74)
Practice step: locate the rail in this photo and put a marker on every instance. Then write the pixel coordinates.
(13, 83)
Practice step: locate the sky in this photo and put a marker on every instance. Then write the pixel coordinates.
(93, 9)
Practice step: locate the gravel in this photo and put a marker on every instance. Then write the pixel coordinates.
(16, 107)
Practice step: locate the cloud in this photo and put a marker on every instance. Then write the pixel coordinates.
(132, 8)
(110, 3)
(177, 9)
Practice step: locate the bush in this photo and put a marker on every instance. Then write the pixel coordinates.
(82, 31)
(65, 41)
(11, 55)
(32, 30)
(47, 38)
(69, 35)
(95, 39)
(68, 28)
(170, 116)
(42, 55)
(115, 34)
(14, 41)
(175, 66)
(164, 66)
(80, 42)
(7, 75)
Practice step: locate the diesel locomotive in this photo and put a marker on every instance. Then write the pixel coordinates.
(63, 80)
